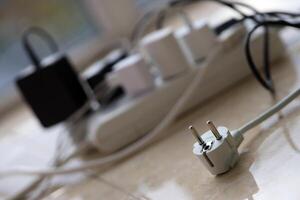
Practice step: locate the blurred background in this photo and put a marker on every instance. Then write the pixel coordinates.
(68, 20)
(82, 28)
(74, 25)
(86, 31)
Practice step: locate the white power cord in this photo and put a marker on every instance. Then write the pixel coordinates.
(281, 104)
(61, 157)
(217, 148)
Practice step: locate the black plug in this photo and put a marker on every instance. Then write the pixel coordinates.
(53, 89)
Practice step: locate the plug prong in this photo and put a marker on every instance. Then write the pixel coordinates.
(196, 135)
(214, 130)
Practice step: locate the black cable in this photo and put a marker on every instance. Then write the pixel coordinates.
(232, 22)
(258, 18)
(226, 25)
(234, 6)
(252, 65)
(266, 56)
(266, 84)
(266, 48)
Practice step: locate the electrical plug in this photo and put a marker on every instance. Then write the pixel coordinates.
(217, 148)
(133, 75)
(163, 50)
(197, 41)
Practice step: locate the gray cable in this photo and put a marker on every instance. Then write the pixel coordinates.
(273, 110)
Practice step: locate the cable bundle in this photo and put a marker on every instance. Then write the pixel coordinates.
(263, 20)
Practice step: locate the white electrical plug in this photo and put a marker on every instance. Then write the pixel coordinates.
(217, 148)
(197, 40)
(133, 74)
(164, 51)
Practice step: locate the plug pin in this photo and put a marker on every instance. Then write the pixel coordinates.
(214, 130)
(196, 135)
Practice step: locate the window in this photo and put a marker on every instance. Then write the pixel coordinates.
(78, 26)
(66, 20)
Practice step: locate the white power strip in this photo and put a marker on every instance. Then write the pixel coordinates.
(116, 127)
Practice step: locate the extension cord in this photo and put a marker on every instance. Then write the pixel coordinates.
(217, 148)
(154, 134)
(114, 128)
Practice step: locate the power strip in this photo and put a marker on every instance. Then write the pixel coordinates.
(131, 118)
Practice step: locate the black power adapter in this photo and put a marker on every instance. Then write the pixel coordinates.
(53, 90)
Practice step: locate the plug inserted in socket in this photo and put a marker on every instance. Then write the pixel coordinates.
(217, 149)
(106, 129)
(133, 74)
(163, 49)
(197, 41)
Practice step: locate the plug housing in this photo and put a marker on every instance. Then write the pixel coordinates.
(163, 50)
(198, 41)
(133, 75)
(218, 153)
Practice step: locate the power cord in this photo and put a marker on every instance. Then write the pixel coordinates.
(129, 150)
(38, 187)
(146, 140)
(267, 81)
(161, 16)
(61, 157)
(217, 148)
(257, 17)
